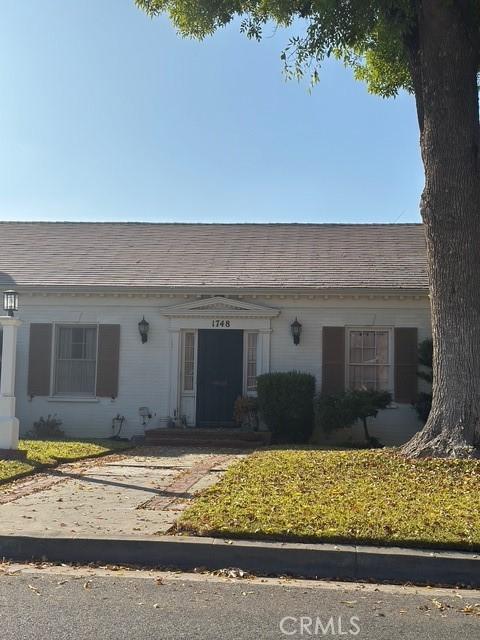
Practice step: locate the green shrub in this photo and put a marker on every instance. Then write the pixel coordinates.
(333, 412)
(342, 410)
(423, 404)
(285, 403)
(366, 404)
(47, 428)
(425, 359)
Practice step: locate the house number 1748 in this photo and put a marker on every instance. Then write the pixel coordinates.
(216, 324)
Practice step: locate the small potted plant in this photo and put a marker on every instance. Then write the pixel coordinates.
(245, 413)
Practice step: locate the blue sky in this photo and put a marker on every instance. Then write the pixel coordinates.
(108, 115)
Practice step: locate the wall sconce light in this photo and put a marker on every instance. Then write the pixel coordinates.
(143, 327)
(10, 302)
(296, 328)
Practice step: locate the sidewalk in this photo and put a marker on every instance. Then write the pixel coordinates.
(116, 510)
(140, 493)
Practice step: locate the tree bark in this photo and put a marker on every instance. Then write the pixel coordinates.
(444, 63)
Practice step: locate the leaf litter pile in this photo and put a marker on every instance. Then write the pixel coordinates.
(376, 497)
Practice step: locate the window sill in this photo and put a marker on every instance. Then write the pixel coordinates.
(71, 399)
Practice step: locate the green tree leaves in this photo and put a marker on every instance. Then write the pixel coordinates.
(368, 35)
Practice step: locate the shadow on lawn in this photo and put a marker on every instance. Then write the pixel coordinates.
(34, 464)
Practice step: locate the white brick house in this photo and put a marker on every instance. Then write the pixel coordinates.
(219, 301)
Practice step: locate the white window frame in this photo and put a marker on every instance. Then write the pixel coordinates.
(67, 395)
(246, 390)
(391, 363)
(193, 391)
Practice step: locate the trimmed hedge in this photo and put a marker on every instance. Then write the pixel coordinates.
(342, 410)
(285, 403)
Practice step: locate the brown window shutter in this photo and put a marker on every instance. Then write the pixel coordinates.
(108, 360)
(333, 368)
(39, 359)
(406, 363)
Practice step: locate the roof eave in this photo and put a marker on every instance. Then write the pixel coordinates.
(216, 290)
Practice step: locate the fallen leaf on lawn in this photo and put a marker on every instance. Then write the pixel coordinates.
(231, 572)
(440, 605)
(471, 609)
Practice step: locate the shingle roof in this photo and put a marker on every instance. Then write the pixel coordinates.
(156, 256)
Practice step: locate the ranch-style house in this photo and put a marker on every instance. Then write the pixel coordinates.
(182, 318)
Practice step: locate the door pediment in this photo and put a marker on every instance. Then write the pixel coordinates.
(212, 307)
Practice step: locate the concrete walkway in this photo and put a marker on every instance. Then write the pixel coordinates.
(141, 492)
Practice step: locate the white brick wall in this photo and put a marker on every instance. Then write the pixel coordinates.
(144, 368)
(392, 426)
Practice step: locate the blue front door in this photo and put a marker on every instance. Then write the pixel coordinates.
(219, 375)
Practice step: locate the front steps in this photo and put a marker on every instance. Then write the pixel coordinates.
(197, 437)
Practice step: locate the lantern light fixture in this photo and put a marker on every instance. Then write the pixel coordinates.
(10, 302)
(143, 328)
(296, 328)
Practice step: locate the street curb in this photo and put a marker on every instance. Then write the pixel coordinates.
(396, 565)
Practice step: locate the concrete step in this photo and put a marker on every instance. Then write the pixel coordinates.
(208, 437)
(210, 444)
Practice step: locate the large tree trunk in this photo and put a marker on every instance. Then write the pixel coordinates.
(444, 63)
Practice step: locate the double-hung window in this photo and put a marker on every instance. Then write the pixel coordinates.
(75, 360)
(369, 359)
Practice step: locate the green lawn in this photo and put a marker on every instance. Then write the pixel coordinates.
(343, 496)
(49, 453)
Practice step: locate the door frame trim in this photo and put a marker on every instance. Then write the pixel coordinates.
(198, 314)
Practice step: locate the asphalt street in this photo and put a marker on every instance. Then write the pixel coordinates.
(85, 604)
